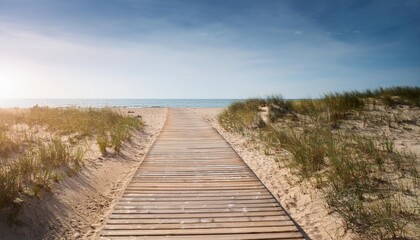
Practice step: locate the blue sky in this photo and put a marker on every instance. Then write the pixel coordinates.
(205, 49)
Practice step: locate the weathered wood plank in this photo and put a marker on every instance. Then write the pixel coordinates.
(285, 235)
(194, 231)
(199, 220)
(192, 185)
(202, 202)
(198, 225)
(190, 206)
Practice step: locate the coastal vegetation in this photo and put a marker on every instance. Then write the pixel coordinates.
(343, 145)
(40, 146)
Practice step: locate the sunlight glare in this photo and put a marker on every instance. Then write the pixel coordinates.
(10, 86)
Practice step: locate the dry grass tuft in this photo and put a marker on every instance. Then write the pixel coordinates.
(370, 184)
(41, 145)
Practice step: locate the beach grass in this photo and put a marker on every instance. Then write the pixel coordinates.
(7, 145)
(40, 146)
(364, 178)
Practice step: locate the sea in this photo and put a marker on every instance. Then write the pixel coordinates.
(128, 103)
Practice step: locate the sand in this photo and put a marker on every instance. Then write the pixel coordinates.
(78, 206)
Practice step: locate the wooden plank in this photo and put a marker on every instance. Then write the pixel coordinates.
(201, 202)
(189, 206)
(196, 210)
(199, 220)
(193, 185)
(193, 231)
(201, 194)
(183, 191)
(204, 198)
(285, 235)
(197, 215)
(198, 225)
(198, 188)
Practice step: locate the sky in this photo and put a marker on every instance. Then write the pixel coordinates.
(205, 49)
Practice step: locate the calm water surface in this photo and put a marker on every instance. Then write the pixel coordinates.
(135, 103)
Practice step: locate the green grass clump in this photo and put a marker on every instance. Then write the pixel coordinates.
(331, 107)
(242, 115)
(343, 102)
(308, 150)
(337, 105)
(310, 107)
(41, 166)
(7, 146)
(102, 141)
(394, 95)
(38, 169)
(119, 135)
(10, 185)
(103, 123)
(41, 145)
(364, 179)
(81, 121)
(355, 175)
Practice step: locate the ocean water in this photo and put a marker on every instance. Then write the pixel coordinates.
(133, 103)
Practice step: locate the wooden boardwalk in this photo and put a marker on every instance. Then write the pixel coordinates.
(193, 185)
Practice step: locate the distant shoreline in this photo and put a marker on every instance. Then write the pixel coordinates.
(117, 103)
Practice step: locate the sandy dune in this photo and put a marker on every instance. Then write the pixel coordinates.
(77, 206)
(304, 203)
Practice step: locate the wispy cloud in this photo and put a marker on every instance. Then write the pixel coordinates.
(159, 49)
(123, 68)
